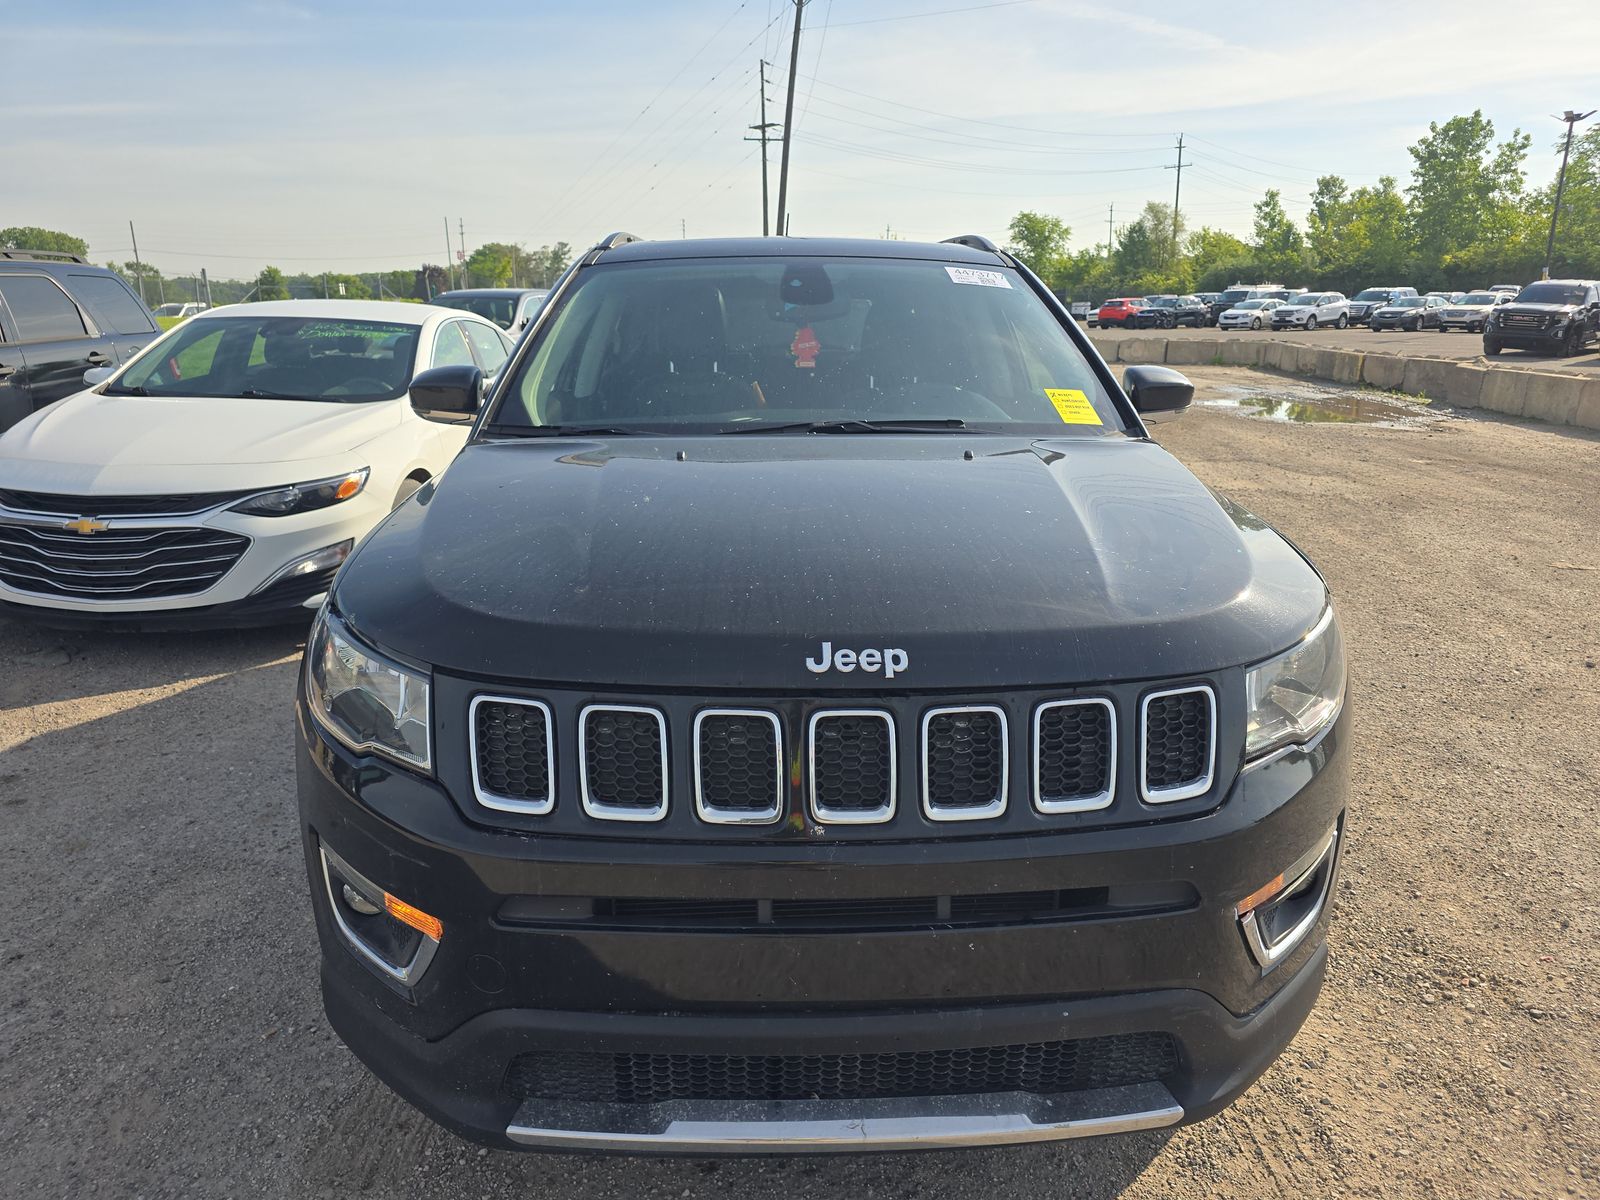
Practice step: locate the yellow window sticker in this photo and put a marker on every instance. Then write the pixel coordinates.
(1072, 406)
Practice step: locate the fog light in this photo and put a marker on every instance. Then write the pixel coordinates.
(394, 938)
(310, 564)
(1277, 916)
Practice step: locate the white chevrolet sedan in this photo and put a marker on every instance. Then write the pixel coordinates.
(222, 475)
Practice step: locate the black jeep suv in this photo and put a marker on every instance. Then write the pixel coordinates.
(1555, 316)
(1169, 312)
(60, 317)
(812, 714)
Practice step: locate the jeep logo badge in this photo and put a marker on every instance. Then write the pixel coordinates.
(890, 662)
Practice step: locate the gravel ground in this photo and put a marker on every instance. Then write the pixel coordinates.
(160, 1034)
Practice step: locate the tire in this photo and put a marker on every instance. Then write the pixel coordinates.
(1491, 347)
(408, 488)
(1311, 324)
(1342, 323)
(1255, 323)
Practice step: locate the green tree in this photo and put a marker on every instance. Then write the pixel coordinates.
(1040, 241)
(492, 263)
(271, 286)
(1147, 258)
(1577, 248)
(1279, 248)
(1464, 189)
(1216, 259)
(31, 237)
(544, 265)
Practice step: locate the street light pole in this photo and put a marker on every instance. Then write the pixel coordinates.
(1571, 118)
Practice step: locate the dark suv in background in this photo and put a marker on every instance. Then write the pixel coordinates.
(1556, 316)
(1168, 312)
(59, 317)
(1370, 300)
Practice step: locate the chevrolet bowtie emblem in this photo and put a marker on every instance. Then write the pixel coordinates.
(87, 525)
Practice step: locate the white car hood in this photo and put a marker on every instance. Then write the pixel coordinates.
(96, 443)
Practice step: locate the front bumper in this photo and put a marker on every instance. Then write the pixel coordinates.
(496, 990)
(1544, 341)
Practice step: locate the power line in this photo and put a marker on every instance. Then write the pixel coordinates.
(940, 12)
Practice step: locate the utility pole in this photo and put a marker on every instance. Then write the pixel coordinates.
(788, 122)
(1111, 229)
(461, 228)
(1571, 118)
(205, 282)
(137, 265)
(683, 227)
(1177, 191)
(449, 269)
(763, 136)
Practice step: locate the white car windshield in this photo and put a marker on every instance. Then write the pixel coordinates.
(276, 358)
(1480, 298)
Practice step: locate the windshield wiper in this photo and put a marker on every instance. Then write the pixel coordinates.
(562, 431)
(263, 394)
(851, 425)
(127, 391)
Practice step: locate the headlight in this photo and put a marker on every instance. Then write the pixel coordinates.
(304, 497)
(365, 700)
(1297, 695)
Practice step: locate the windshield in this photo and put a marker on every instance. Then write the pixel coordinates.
(1550, 293)
(1375, 294)
(731, 344)
(1479, 298)
(1234, 295)
(1303, 300)
(281, 358)
(1252, 304)
(1164, 302)
(1407, 302)
(502, 310)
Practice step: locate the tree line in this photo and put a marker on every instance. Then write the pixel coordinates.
(493, 264)
(1467, 219)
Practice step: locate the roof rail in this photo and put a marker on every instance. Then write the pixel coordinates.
(612, 241)
(43, 256)
(974, 241)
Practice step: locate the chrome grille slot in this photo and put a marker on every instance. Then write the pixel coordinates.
(116, 564)
(852, 766)
(51, 504)
(1179, 744)
(622, 752)
(738, 766)
(513, 754)
(965, 763)
(1074, 755)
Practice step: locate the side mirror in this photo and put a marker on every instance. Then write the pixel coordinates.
(95, 376)
(1158, 393)
(447, 391)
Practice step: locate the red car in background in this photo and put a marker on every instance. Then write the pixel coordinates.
(1119, 312)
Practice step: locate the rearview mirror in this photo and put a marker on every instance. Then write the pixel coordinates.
(95, 376)
(1158, 393)
(445, 391)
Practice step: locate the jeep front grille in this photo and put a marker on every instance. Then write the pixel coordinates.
(852, 764)
(624, 762)
(514, 754)
(1074, 755)
(738, 766)
(965, 763)
(116, 564)
(1180, 744)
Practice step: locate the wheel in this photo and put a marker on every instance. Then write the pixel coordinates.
(1491, 347)
(1311, 323)
(1255, 322)
(408, 488)
(1342, 323)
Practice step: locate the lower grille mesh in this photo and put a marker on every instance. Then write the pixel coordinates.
(1038, 1067)
(738, 771)
(512, 742)
(1074, 753)
(1177, 735)
(852, 764)
(965, 759)
(624, 761)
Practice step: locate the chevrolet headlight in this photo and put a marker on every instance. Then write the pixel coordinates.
(1292, 698)
(367, 701)
(305, 497)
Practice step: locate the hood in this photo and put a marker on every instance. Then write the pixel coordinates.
(1032, 564)
(94, 442)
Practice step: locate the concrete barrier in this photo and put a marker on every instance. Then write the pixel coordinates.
(1194, 350)
(1145, 351)
(1107, 347)
(1552, 398)
(1385, 371)
(1341, 366)
(1504, 391)
(1427, 377)
(1464, 387)
(1243, 351)
(1587, 413)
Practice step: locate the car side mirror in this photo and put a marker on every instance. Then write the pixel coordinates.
(95, 376)
(1158, 393)
(447, 391)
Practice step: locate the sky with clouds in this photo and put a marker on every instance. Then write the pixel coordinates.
(341, 135)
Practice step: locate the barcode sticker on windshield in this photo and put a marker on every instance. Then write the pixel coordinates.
(978, 278)
(1072, 406)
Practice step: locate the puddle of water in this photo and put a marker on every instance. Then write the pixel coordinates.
(1303, 404)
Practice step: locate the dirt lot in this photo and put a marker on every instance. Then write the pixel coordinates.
(160, 1034)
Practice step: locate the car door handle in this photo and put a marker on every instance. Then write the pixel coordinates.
(7, 372)
(98, 358)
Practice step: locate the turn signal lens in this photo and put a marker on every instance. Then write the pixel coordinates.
(410, 915)
(1260, 896)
